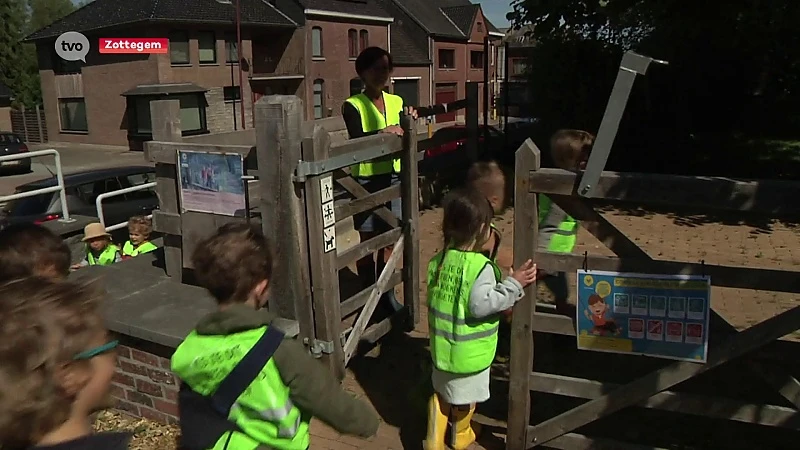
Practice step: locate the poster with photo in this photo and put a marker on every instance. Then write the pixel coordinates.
(664, 316)
(212, 183)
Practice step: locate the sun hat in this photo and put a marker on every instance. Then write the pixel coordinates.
(94, 230)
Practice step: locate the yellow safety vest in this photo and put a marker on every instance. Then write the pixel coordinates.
(106, 258)
(373, 120)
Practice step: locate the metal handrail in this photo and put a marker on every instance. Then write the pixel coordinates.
(99, 203)
(58, 188)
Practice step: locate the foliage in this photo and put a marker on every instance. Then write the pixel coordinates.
(734, 64)
(18, 61)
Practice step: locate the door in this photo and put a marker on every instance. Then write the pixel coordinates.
(408, 90)
(446, 93)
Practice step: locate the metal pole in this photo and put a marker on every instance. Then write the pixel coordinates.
(239, 55)
(233, 104)
(505, 88)
(62, 194)
(485, 93)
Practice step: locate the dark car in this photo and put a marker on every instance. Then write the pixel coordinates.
(448, 152)
(12, 144)
(81, 191)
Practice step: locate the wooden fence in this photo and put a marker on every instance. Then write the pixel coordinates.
(298, 163)
(30, 124)
(756, 352)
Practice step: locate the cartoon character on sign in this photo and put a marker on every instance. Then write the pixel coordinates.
(597, 314)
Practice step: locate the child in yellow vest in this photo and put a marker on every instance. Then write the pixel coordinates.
(100, 251)
(465, 295)
(139, 230)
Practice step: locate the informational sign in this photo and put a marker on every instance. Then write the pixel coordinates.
(664, 316)
(212, 183)
(328, 214)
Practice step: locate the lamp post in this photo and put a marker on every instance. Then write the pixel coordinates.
(239, 56)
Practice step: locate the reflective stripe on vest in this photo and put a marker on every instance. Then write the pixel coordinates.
(373, 120)
(459, 342)
(264, 412)
(106, 258)
(145, 247)
(559, 238)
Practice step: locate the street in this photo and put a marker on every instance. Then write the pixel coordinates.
(74, 158)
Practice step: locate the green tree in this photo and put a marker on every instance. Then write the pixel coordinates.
(45, 12)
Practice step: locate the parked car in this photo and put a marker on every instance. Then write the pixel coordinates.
(82, 189)
(448, 152)
(12, 144)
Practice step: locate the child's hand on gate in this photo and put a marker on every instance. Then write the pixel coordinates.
(525, 274)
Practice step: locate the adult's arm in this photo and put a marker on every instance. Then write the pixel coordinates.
(352, 120)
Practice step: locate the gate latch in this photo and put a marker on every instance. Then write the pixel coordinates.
(319, 348)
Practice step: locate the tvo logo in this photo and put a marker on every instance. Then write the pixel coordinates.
(72, 46)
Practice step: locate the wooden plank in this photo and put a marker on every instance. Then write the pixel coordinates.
(324, 274)
(361, 323)
(409, 183)
(553, 324)
(165, 115)
(368, 247)
(159, 151)
(358, 300)
(694, 404)
(526, 229)
(378, 330)
(198, 226)
(278, 120)
(367, 203)
(725, 276)
(704, 193)
(358, 191)
(361, 144)
(598, 226)
(574, 441)
(331, 124)
(665, 378)
(168, 223)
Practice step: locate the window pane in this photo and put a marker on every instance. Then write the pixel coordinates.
(356, 86)
(231, 50)
(447, 59)
(364, 39)
(316, 41)
(318, 99)
(73, 115)
(207, 43)
(179, 47)
(476, 60)
(352, 43)
(232, 93)
(191, 117)
(143, 124)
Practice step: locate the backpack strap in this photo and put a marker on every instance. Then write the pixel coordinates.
(246, 371)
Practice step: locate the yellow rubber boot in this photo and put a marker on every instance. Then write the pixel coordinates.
(438, 413)
(464, 431)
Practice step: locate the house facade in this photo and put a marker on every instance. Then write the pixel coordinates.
(298, 47)
(5, 107)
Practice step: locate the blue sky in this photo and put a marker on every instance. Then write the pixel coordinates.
(496, 11)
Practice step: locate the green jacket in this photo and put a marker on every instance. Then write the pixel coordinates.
(313, 389)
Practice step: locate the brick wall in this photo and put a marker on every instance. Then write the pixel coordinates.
(219, 113)
(143, 385)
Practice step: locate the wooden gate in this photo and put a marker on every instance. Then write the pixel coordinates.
(755, 352)
(340, 320)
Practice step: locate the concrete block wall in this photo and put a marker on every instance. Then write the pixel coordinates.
(144, 386)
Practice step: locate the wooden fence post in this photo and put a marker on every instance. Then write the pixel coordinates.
(165, 117)
(323, 254)
(409, 184)
(27, 138)
(473, 127)
(279, 119)
(526, 229)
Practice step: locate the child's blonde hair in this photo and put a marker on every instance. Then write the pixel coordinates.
(142, 224)
(489, 179)
(43, 325)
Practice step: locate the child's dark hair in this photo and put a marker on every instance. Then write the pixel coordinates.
(482, 171)
(28, 249)
(569, 147)
(45, 323)
(466, 214)
(232, 261)
(369, 56)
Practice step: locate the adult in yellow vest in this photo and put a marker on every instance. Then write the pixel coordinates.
(367, 113)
